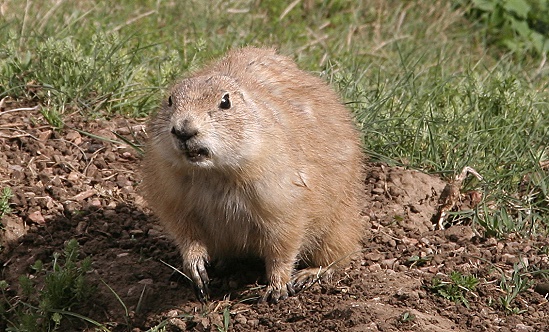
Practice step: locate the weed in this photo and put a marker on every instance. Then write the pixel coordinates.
(5, 197)
(53, 117)
(512, 286)
(137, 146)
(519, 25)
(162, 326)
(456, 289)
(159, 328)
(418, 261)
(406, 317)
(226, 320)
(44, 308)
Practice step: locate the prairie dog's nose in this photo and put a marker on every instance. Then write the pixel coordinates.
(184, 131)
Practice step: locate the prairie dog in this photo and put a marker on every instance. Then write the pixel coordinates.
(251, 156)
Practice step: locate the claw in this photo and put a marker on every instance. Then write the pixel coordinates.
(291, 289)
(274, 294)
(199, 277)
(307, 277)
(301, 284)
(201, 293)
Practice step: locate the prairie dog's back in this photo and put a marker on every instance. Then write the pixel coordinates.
(303, 104)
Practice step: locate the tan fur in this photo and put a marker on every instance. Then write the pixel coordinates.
(282, 176)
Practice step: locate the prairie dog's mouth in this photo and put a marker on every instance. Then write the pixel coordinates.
(196, 155)
(192, 148)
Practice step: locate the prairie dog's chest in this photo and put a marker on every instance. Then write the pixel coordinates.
(216, 199)
(226, 217)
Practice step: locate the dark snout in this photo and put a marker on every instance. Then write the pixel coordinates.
(184, 131)
(189, 141)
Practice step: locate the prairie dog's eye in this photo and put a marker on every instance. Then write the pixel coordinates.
(170, 102)
(225, 103)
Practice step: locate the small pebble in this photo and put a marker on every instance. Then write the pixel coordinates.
(37, 217)
(240, 319)
(542, 288)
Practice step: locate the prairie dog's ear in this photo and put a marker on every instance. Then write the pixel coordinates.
(225, 103)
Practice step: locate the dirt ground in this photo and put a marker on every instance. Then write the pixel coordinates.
(70, 185)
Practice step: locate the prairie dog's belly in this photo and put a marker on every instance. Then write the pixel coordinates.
(226, 219)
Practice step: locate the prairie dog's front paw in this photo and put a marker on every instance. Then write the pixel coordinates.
(196, 271)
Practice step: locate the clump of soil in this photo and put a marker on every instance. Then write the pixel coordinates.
(68, 184)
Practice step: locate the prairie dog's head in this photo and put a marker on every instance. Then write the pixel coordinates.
(206, 122)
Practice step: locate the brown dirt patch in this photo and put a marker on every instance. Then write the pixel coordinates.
(69, 185)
